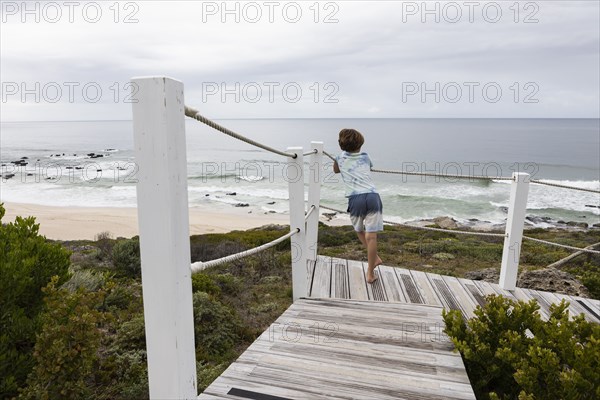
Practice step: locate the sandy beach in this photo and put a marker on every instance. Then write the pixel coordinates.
(72, 223)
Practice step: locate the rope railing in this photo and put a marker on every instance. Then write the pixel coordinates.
(564, 246)
(199, 266)
(308, 153)
(476, 177)
(427, 228)
(195, 114)
(453, 176)
(310, 211)
(558, 185)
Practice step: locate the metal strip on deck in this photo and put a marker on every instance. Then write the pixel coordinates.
(347, 349)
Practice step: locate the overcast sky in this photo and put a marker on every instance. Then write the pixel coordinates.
(280, 59)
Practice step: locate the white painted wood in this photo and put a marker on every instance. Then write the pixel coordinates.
(514, 229)
(294, 174)
(160, 155)
(315, 176)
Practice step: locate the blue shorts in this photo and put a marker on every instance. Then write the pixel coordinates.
(366, 212)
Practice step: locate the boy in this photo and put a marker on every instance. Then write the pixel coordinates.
(364, 203)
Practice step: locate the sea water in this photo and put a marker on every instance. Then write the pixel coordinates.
(91, 163)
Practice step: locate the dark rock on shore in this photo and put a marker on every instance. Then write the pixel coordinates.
(242, 205)
(231, 194)
(271, 203)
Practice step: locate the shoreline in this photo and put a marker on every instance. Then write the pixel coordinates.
(84, 223)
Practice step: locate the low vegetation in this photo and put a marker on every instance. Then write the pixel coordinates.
(72, 317)
(511, 353)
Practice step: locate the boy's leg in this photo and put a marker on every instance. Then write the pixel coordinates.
(374, 260)
(361, 237)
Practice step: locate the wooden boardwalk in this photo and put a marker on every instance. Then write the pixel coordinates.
(346, 279)
(353, 340)
(348, 349)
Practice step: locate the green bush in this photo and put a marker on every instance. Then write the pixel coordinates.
(216, 328)
(510, 352)
(66, 348)
(126, 257)
(202, 282)
(27, 263)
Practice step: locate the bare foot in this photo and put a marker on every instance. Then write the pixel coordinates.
(371, 277)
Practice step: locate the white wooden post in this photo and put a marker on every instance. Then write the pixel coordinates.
(160, 155)
(294, 173)
(511, 251)
(314, 199)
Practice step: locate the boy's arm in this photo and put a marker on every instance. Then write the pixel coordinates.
(336, 167)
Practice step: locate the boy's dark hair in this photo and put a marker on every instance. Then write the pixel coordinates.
(351, 140)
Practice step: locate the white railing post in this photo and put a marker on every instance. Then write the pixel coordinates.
(160, 155)
(514, 231)
(294, 173)
(314, 199)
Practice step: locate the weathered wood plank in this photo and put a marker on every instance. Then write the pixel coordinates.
(375, 290)
(465, 299)
(358, 283)
(379, 336)
(409, 286)
(340, 286)
(424, 285)
(392, 286)
(322, 280)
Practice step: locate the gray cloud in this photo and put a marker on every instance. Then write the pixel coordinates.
(364, 61)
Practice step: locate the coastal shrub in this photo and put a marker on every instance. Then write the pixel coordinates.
(27, 263)
(86, 279)
(208, 372)
(126, 257)
(105, 244)
(510, 352)
(202, 282)
(216, 328)
(66, 347)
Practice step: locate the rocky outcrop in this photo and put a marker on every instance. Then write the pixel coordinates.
(552, 280)
(547, 279)
(446, 222)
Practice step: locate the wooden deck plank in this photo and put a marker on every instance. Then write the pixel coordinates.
(340, 286)
(476, 294)
(322, 280)
(375, 290)
(392, 286)
(379, 336)
(445, 294)
(417, 287)
(424, 285)
(409, 286)
(463, 296)
(358, 284)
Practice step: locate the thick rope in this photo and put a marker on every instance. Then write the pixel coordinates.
(564, 246)
(199, 266)
(565, 186)
(308, 153)
(565, 260)
(453, 176)
(426, 228)
(310, 211)
(329, 155)
(192, 113)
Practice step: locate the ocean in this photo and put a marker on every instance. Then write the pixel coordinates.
(64, 167)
